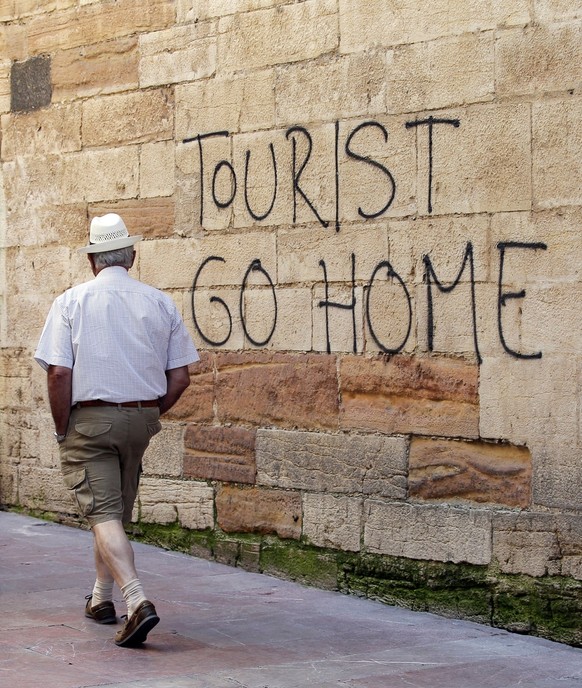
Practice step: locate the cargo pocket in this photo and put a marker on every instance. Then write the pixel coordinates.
(154, 428)
(78, 485)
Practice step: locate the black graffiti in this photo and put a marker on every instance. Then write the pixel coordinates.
(503, 297)
(430, 277)
(299, 165)
(255, 266)
(431, 281)
(430, 122)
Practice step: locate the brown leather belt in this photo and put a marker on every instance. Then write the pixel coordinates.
(131, 404)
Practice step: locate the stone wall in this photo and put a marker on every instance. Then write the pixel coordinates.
(368, 214)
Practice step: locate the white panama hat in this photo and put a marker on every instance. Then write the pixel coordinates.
(108, 232)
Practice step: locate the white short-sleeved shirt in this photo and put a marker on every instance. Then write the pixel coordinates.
(118, 335)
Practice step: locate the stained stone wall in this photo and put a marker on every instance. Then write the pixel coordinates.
(369, 216)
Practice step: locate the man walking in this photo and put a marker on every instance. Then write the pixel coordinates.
(116, 353)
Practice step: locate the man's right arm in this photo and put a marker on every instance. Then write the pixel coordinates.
(178, 380)
(59, 380)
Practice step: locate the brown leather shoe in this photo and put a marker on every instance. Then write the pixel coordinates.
(103, 613)
(137, 627)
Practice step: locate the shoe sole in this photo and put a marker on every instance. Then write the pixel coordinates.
(106, 620)
(140, 633)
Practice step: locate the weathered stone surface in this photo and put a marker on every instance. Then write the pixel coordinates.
(437, 74)
(164, 456)
(182, 53)
(191, 504)
(354, 464)
(30, 84)
(92, 70)
(400, 394)
(136, 117)
(75, 27)
(219, 453)
(288, 390)
(259, 510)
(368, 24)
(196, 404)
(43, 488)
(447, 470)
(468, 176)
(279, 35)
(539, 59)
(557, 153)
(428, 532)
(330, 521)
(150, 217)
(5, 66)
(157, 169)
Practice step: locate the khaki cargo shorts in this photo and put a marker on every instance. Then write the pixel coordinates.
(101, 458)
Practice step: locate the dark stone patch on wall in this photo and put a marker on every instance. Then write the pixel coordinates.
(30, 84)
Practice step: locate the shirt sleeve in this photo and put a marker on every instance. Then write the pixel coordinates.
(55, 346)
(181, 349)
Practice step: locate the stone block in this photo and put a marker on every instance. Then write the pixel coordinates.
(279, 320)
(259, 510)
(526, 543)
(330, 521)
(428, 532)
(226, 104)
(13, 39)
(300, 251)
(181, 53)
(30, 84)
(95, 69)
(547, 11)
(5, 66)
(153, 218)
(377, 23)
(24, 318)
(318, 462)
(196, 404)
(194, 10)
(538, 59)
(446, 470)
(191, 504)
(273, 36)
(385, 184)
(99, 175)
(402, 394)
(31, 271)
(557, 153)
(335, 328)
(53, 131)
(481, 166)
(249, 556)
(218, 322)
(442, 73)
(287, 390)
(352, 86)
(76, 27)
(219, 453)
(44, 489)
(157, 169)
(137, 117)
(164, 456)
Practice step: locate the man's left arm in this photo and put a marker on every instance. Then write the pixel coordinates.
(60, 382)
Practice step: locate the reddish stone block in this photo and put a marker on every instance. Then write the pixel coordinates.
(220, 453)
(151, 217)
(197, 402)
(446, 470)
(259, 510)
(410, 394)
(286, 390)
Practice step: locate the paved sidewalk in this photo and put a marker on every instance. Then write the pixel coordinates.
(225, 628)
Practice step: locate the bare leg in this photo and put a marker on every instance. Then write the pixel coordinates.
(101, 568)
(114, 553)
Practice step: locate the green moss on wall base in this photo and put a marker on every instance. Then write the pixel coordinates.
(550, 606)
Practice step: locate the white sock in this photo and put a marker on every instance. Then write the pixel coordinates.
(102, 592)
(133, 595)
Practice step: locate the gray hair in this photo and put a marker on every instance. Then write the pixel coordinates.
(121, 256)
